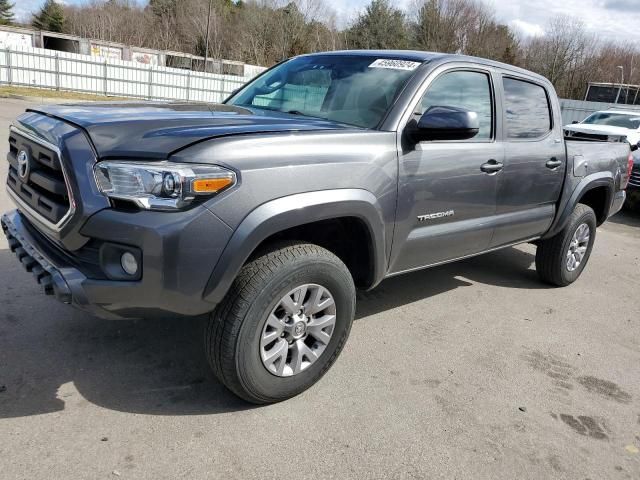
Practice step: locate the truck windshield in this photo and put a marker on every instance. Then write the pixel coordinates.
(631, 122)
(355, 90)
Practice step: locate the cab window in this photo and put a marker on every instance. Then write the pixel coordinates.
(463, 89)
(527, 112)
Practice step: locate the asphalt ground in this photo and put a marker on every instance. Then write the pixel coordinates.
(469, 370)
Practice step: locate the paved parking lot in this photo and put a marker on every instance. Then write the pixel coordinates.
(470, 370)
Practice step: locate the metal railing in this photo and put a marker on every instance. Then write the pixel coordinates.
(36, 67)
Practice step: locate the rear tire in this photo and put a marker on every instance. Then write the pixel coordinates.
(561, 259)
(251, 326)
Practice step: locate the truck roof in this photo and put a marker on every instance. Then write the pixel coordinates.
(414, 55)
(422, 56)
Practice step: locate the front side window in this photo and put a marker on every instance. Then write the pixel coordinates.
(355, 90)
(462, 89)
(527, 109)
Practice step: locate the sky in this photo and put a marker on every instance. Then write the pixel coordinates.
(608, 19)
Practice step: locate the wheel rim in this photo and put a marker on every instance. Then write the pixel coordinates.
(578, 247)
(298, 330)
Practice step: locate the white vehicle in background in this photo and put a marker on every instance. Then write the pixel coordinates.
(608, 123)
(614, 126)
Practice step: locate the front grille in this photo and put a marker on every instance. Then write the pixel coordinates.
(39, 181)
(634, 180)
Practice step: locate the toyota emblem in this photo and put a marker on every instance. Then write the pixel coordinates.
(24, 165)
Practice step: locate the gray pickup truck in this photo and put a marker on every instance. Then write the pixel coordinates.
(327, 173)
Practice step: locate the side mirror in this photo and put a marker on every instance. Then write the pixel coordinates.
(575, 122)
(635, 147)
(447, 123)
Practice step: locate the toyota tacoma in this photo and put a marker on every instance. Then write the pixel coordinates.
(327, 173)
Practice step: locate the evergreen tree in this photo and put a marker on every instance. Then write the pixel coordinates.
(163, 8)
(50, 17)
(6, 13)
(381, 26)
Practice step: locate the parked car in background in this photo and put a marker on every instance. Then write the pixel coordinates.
(633, 188)
(607, 123)
(328, 172)
(614, 125)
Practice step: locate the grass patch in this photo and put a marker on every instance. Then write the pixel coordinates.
(7, 92)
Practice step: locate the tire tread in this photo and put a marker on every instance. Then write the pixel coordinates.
(224, 325)
(550, 252)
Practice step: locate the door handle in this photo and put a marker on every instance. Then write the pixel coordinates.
(492, 167)
(553, 163)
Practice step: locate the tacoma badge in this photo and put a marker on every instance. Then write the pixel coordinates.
(433, 216)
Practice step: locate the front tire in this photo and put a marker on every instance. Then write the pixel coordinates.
(561, 259)
(282, 324)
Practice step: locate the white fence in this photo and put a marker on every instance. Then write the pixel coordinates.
(37, 67)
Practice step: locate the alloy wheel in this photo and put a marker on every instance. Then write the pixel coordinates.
(578, 247)
(298, 330)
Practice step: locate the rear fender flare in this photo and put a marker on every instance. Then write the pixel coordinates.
(292, 211)
(600, 179)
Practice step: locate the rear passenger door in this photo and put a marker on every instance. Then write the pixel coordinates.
(534, 164)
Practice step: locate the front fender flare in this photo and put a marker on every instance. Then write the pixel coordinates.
(292, 211)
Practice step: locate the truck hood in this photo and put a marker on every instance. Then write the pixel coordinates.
(632, 135)
(156, 130)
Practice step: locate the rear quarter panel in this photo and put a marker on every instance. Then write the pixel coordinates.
(589, 158)
(590, 165)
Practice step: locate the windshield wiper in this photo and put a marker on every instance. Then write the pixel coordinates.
(298, 112)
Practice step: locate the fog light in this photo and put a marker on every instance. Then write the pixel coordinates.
(129, 263)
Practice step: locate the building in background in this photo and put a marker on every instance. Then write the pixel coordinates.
(145, 56)
(108, 51)
(618, 93)
(13, 38)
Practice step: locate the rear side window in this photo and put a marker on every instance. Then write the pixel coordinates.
(527, 109)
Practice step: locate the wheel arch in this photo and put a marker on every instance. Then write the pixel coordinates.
(292, 214)
(599, 199)
(596, 191)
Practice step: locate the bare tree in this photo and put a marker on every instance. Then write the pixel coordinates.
(192, 22)
(462, 26)
(114, 20)
(563, 49)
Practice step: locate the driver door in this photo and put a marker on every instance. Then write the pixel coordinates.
(446, 192)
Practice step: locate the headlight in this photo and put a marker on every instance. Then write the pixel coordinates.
(160, 185)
